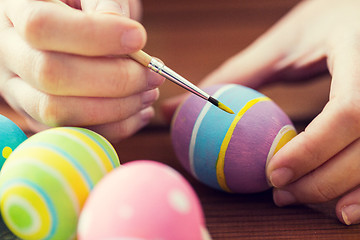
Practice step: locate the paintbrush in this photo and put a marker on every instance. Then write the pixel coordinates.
(159, 67)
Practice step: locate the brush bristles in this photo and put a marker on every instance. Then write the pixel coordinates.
(220, 105)
(225, 108)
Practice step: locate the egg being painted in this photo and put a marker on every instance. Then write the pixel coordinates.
(46, 180)
(229, 151)
(10, 137)
(141, 200)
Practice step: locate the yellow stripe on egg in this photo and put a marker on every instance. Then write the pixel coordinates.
(93, 148)
(40, 221)
(60, 164)
(220, 164)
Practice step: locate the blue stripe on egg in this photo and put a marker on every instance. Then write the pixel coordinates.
(106, 148)
(210, 133)
(49, 204)
(67, 157)
(61, 165)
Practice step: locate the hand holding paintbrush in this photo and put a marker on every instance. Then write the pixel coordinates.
(55, 67)
(56, 70)
(159, 67)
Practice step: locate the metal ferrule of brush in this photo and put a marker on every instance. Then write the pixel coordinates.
(159, 67)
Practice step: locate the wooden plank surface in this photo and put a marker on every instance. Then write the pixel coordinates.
(242, 216)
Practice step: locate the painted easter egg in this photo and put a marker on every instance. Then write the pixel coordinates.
(46, 180)
(10, 137)
(142, 200)
(229, 151)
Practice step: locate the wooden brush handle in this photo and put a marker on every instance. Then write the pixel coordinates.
(141, 57)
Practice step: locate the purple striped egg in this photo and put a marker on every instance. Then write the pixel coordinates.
(229, 151)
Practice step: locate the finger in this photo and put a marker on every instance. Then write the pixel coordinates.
(250, 67)
(118, 7)
(120, 130)
(50, 26)
(131, 9)
(334, 178)
(264, 62)
(324, 137)
(276, 55)
(34, 125)
(74, 75)
(115, 131)
(343, 62)
(348, 208)
(77, 111)
(337, 126)
(136, 10)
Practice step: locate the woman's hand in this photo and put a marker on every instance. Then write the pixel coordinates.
(67, 66)
(322, 163)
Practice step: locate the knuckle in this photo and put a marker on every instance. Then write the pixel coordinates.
(309, 149)
(324, 192)
(50, 111)
(46, 73)
(128, 127)
(124, 131)
(128, 79)
(122, 85)
(35, 18)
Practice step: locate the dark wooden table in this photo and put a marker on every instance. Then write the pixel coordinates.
(194, 37)
(242, 216)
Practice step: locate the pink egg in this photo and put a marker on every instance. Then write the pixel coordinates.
(142, 200)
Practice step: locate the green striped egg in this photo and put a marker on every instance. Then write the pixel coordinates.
(46, 180)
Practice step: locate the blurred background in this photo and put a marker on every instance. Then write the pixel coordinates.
(195, 37)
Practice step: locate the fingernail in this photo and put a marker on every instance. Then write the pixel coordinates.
(351, 214)
(147, 114)
(280, 177)
(283, 198)
(149, 97)
(132, 39)
(154, 80)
